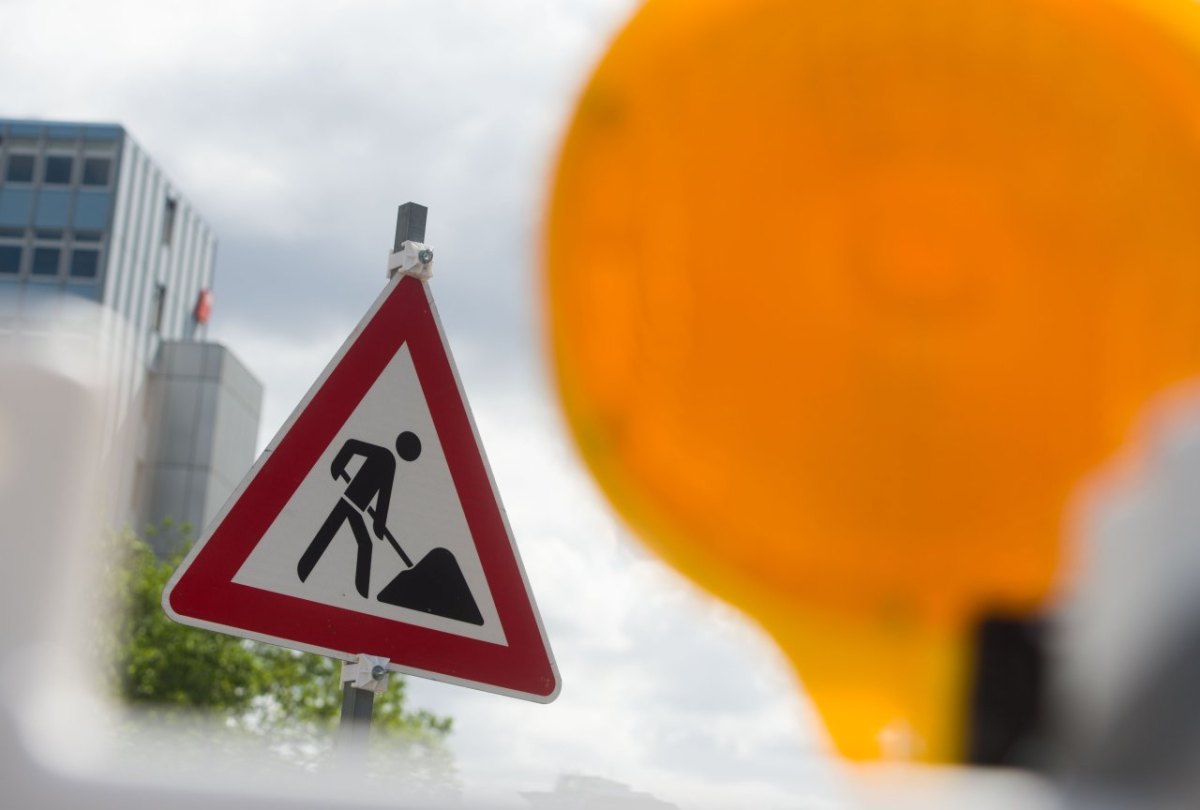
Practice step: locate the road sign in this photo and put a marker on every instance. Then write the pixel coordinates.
(371, 524)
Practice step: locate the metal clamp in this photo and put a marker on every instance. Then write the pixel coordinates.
(367, 672)
(412, 259)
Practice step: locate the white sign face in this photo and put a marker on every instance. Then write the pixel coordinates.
(424, 513)
(371, 525)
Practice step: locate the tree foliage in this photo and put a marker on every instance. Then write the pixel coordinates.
(168, 668)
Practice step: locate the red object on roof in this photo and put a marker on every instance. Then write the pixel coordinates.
(204, 305)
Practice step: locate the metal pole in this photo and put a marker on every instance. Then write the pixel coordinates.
(362, 678)
(410, 224)
(356, 714)
(357, 703)
(410, 255)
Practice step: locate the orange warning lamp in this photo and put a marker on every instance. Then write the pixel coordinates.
(845, 299)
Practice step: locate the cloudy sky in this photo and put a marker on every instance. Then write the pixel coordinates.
(296, 128)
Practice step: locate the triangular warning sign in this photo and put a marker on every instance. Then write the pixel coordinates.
(371, 524)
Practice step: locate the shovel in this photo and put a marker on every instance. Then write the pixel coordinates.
(387, 534)
(434, 585)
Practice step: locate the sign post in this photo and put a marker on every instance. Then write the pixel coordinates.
(362, 679)
(372, 524)
(366, 676)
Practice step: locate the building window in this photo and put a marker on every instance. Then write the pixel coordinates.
(10, 260)
(85, 262)
(20, 169)
(95, 171)
(45, 261)
(169, 212)
(87, 236)
(58, 170)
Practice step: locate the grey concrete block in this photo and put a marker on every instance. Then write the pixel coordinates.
(168, 495)
(181, 359)
(214, 357)
(217, 492)
(181, 398)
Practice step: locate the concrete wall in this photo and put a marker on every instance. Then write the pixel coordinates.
(205, 405)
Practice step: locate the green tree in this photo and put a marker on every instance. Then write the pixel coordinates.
(169, 669)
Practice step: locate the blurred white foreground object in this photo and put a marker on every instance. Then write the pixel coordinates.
(56, 733)
(56, 405)
(915, 787)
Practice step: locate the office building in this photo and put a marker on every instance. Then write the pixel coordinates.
(86, 213)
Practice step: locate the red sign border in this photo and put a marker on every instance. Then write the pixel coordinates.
(202, 592)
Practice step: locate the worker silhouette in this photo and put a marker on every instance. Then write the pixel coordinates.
(372, 483)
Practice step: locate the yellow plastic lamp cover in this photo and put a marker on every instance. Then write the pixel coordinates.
(845, 298)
